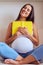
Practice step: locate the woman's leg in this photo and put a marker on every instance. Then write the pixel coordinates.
(8, 53)
(33, 57)
(29, 59)
(36, 55)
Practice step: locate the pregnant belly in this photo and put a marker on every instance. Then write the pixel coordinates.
(22, 45)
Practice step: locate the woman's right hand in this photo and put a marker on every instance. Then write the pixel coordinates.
(20, 28)
(23, 30)
(18, 33)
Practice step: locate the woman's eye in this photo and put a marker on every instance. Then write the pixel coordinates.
(27, 9)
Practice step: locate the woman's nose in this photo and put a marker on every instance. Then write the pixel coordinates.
(25, 9)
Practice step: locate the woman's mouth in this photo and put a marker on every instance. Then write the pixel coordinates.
(23, 11)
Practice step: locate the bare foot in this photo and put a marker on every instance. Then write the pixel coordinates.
(36, 62)
(10, 61)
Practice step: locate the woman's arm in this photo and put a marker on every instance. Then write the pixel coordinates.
(9, 38)
(34, 38)
(35, 35)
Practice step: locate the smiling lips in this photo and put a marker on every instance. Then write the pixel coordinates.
(23, 11)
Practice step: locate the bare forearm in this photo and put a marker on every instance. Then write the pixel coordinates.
(11, 39)
(33, 39)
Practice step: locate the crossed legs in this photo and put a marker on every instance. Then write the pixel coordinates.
(37, 54)
(7, 52)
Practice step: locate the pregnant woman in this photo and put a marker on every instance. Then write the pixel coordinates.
(22, 41)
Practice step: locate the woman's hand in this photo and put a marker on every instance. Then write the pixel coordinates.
(18, 33)
(20, 28)
(23, 30)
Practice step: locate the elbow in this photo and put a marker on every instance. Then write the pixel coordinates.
(6, 41)
(37, 43)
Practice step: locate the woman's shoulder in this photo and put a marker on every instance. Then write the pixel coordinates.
(10, 25)
(34, 25)
(35, 28)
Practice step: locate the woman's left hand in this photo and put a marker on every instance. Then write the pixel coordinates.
(24, 31)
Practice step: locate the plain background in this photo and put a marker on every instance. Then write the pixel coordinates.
(9, 10)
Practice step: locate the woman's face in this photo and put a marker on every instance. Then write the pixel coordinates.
(25, 11)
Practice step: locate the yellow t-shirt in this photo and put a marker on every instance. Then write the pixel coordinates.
(27, 24)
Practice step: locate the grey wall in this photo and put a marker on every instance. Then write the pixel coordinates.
(9, 12)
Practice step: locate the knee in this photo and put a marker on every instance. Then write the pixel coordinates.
(41, 46)
(2, 43)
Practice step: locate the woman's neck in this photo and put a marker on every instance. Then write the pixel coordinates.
(22, 19)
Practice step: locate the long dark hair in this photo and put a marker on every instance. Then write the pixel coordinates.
(31, 16)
